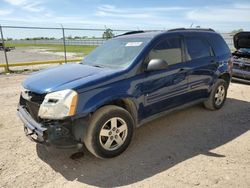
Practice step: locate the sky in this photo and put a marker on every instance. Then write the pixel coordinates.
(221, 15)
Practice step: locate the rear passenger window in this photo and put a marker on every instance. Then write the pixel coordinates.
(197, 48)
(168, 50)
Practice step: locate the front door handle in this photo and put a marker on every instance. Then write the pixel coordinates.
(183, 70)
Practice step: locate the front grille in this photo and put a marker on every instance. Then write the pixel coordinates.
(32, 104)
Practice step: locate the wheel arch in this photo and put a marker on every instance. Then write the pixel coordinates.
(225, 76)
(125, 103)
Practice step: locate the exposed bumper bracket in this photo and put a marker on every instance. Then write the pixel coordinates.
(33, 130)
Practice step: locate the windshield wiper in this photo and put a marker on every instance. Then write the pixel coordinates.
(99, 66)
(93, 65)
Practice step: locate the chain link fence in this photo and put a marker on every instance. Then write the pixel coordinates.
(25, 46)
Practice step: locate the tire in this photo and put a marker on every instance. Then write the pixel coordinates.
(217, 97)
(109, 132)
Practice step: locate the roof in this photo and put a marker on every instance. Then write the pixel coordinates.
(146, 34)
(151, 34)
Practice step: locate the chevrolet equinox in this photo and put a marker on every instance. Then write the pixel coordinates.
(131, 79)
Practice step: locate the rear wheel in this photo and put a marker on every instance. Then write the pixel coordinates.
(217, 96)
(109, 132)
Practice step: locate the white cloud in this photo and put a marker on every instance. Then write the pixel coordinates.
(226, 13)
(16, 2)
(33, 7)
(155, 10)
(129, 13)
(233, 13)
(134, 15)
(223, 18)
(28, 5)
(4, 12)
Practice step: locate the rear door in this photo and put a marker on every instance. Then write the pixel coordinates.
(202, 66)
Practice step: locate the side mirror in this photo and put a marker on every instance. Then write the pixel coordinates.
(157, 64)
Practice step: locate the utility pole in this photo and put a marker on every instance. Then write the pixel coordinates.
(64, 45)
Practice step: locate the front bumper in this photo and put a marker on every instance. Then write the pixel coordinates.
(63, 134)
(33, 130)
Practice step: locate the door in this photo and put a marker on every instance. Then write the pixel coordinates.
(202, 66)
(166, 88)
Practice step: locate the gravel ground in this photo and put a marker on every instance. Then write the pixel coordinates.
(33, 54)
(193, 147)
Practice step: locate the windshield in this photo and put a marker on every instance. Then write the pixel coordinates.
(116, 53)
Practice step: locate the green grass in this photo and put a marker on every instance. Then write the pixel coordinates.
(82, 50)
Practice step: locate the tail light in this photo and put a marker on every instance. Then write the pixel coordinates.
(230, 64)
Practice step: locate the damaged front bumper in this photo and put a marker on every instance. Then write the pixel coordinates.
(33, 130)
(64, 134)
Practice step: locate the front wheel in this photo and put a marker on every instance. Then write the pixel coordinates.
(110, 131)
(217, 96)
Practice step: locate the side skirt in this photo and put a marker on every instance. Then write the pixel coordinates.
(153, 117)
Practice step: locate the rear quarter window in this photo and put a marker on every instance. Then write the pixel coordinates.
(218, 44)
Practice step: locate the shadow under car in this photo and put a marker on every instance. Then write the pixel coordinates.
(157, 146)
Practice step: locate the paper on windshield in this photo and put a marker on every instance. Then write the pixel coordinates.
(134, 44)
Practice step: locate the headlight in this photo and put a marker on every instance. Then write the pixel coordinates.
(25, 93)
(58, 105)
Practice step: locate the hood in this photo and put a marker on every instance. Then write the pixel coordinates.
(68, 76)
(242, 40)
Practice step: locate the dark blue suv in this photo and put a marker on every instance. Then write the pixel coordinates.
(130, 80)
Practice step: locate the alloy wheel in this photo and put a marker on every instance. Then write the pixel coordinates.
(220, 95)
(113, 133)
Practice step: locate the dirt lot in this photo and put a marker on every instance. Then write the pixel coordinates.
(27, 54)
(189, 148)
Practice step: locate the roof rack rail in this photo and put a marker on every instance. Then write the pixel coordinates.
(133, 32)
(130, 33)
(197, 29)
(177, 29)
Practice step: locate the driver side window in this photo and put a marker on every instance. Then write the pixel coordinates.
(168, 50)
